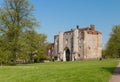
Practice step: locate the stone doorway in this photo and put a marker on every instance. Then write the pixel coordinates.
(67, 54)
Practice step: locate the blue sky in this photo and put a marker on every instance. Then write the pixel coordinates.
(61, 15)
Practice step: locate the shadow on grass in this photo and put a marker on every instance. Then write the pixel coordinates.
(112, 70)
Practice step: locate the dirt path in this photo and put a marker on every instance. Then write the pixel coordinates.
(116, 75)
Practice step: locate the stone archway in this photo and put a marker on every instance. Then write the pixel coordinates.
(67, 55)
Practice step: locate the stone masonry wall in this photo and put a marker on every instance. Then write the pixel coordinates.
(61, 46)
(75, 44)
(92, 46)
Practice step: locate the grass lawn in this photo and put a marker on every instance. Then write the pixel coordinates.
(78, 71)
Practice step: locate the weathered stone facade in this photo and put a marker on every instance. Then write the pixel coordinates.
(50, 51)
(78, 44)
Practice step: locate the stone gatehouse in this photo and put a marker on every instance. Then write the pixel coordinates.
(78, 44)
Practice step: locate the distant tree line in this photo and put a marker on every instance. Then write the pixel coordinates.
(18, 39)
(112, 48)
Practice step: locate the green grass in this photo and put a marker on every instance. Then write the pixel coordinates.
(79, 71)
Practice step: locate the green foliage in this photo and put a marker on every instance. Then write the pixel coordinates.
(34, 45)
(18, 40)
(113, 45)
(78, 71)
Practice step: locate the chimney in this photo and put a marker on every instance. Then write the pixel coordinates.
(92, 27)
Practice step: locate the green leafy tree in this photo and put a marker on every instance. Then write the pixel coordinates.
(4, 53)
(34, 46)
(113, 45)
(15, 17)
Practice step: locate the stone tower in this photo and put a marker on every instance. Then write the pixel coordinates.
(78, 44)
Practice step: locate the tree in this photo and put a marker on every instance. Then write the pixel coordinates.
(15, 17)
(34, 45)
(113, 45)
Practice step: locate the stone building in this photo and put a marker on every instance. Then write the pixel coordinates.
(78, 44)
(50, 51)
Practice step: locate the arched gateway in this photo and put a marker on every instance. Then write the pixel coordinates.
(67, 54)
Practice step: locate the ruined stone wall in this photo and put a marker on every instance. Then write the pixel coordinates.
(99, 45)
(61, 56)
(75, 44)
(92, 46)
(68, 42)
(56, 45)
(81, 45)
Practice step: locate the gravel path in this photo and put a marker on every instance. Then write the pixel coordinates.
(116, 75)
